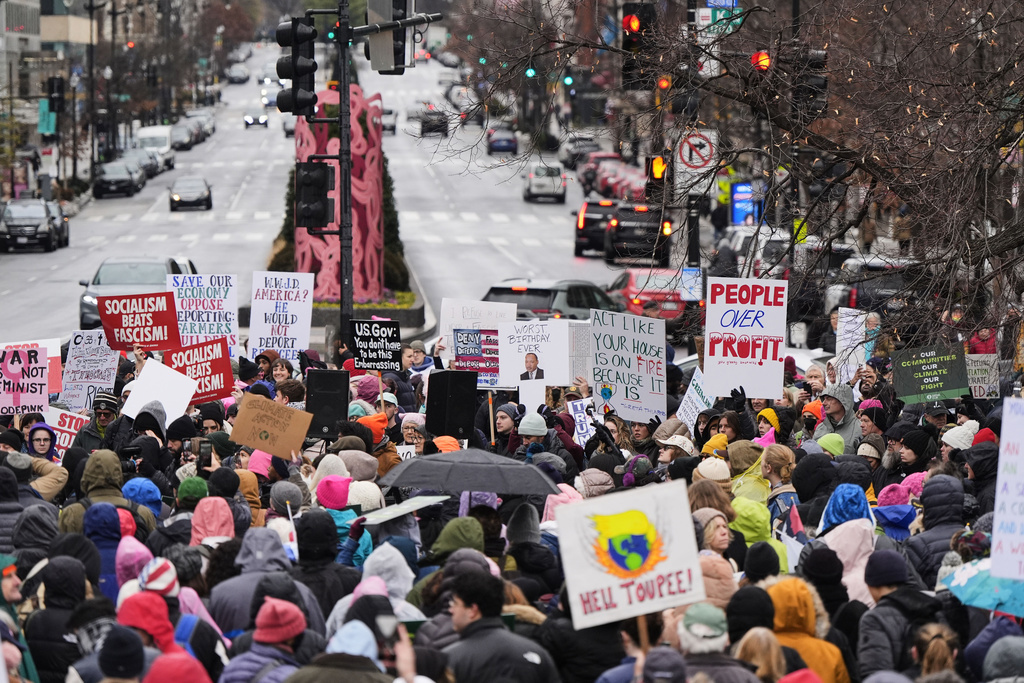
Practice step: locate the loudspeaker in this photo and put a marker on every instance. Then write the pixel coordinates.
(327, 399)
(451, 403)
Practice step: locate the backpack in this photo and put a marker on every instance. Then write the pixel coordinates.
(141, 529)
(183, 633)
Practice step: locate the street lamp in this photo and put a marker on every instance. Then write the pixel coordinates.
(91, 7)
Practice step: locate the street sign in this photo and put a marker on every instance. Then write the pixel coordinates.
(695, 161)
(719, 20)
(721, 3)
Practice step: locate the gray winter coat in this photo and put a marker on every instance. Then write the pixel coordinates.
(942, 500)
(884, 638)
(849, 426)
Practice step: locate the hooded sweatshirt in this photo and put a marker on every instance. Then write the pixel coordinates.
(131, 557)
(212, 519)
(103, 527)
(51, 454)
(745, 466)
(461, 532)
(343, 522)
(101, 483)
(33, 532)
(849, 426)
(148, 612)
(983, 460)
(753, 520)
(249, 487)
(796, 627)
(813, 479)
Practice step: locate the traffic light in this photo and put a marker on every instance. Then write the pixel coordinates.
(810, 86)
(55, 93)
(567, 80)
(299, 66)
(638, 21)
(659, 177)
(390, 51)
(313, 206)
(130, 45)
(152, 77)
(761, 60)
(531, 71)
(661, 93)
(332, 32)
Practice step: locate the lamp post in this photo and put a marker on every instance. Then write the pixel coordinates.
(114, 14)
(91, 7)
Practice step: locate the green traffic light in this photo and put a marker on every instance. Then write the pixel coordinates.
(567, 80)
(483, 60)
(469, 36)
(330, 35)
(530, 72)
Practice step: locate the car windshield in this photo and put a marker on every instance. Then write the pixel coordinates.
(530, 299)
(131, 274)
(152, 142)
(180, 133)
(189, 184)
(115, 171)
(18, 211)
(657, 282)
(547, 171)
(254, 114)
(503, 135)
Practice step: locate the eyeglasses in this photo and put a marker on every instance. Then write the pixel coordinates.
(42, 440)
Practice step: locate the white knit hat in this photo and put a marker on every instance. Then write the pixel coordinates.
(962, 436)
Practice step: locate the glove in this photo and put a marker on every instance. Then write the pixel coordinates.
(280, 466)
(739, 399)
(355, 531)
(534, 448)
(653, 424)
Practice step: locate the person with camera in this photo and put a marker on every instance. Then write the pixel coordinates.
(101, 483)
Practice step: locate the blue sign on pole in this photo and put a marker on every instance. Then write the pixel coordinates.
(721, 3)
(744, 209)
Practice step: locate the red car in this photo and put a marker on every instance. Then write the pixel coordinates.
(636, 286)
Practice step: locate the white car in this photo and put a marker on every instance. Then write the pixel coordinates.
(544, 180)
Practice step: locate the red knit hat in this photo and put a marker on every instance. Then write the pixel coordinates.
(278, 621)
(377, 424)
(332, 491)
(984, 435)
(350, 365)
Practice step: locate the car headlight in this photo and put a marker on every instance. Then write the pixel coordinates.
(43, 227)
(206, 194)
(263, 119)
(89, 299)
(265, 100)
(175, 197)
(248, 119)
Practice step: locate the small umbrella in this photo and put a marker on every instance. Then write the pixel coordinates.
(470, 470)
(974, 585)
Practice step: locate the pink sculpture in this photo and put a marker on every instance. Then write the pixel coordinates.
(321, 254)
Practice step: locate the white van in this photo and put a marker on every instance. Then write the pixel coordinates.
(157, 139)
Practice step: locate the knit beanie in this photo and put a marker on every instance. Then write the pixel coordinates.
(510, 409)
(761, 562)
(361, 465)
(748, 608)
(121, 655)
(894, 494)
(705, 515)
(533, 424)
(918, 441)
(822, 566)
(1005, 659)
(377, 424)
(871, 403)
(961, 436)
(984, 435)
(832, 444)
(223, 482)
(915, 483)
(524, 526)
(447, 444)
(716, 470)
(193, 487)
(247, 369)
(278, 621)
(332, 491)
(367, 388)
(985, 522)
(259, 463)
(878, 417)
(871, 446)
(284, 494)
(317, 535)
(223, 446)
(717, 442)
(771, 416)
(366, 495)
(414, 419)
(593, 482)
(21, 465)
(159, 576)
(885, 568)
(187, 561)
(11, 437)
(181, 429)
(814, 408)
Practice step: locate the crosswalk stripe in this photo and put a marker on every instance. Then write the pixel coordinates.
(222, 237)
(198, 164)
(531, 242)
(254, 237)
(95, 219)
(441, 216)
(122, 217)
(469, 216)
(150, 217)
(176, 218)
(433, 239)
(158, 238)
(465, 239)
(498, 241)
(409, 216)
(125, 239)
(499, 218)
(261, 216)
(528, 218)
(233, 216)
(189, 237)
(95, 239)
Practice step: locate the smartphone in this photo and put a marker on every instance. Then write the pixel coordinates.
(387, 624)
(205, 454)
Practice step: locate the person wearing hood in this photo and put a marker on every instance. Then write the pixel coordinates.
(211, 525)
(51, 642)
(129, 561)
(536, 564)
(249, 487)
(848, 528)
(317, 538)
(823, 569)
(10, 598)
(982, 467)
(122, 431)
(352, 655)
(261, 553)
(104, 409)
(332, 493)
(703, 635)
(754, 521)
(384, 450)
(461, 532)
(144, 492)
(942, 506)
(42, 442)
(279, 628)
(224, 483)
(797, 626)
(34, 530)
(146, 612)
(101, 483)
(10, 509)
(894, 512)
(813, 478)
(73, 463)
(178, 527)
(102, 526)
(745, 470)
(838, 416)
(751, 607)
(706, 426)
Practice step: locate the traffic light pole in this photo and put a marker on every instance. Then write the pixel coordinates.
(692, 200)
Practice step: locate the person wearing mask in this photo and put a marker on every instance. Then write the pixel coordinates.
(104, 410)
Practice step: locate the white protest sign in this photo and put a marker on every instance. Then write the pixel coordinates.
(628, 361)
(207, 307)
(91, 367)
(629, 554)
(470, 315)
(534, 349)
(850, 342)
(694, 402)
(531, 393)
(584, 428)
(579, 349)
(983, 374)
(281, 313)
(1008, 525)
(406, 451)
(157, 382)
(745, 337)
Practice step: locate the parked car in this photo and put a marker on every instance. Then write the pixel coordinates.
(157, 139)
(575, 148)
(127, 275)
(63, 222)
(29, 223)
(181, 137)
(544, 299)
(591, 223)
(117, 177)
(638, 230)
(502, 141)
(237, 73)
(149, 163)
(636, 286)
(544, 180)
(206, 117)
(389, 121)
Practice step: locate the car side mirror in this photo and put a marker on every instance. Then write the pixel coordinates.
(84, 283)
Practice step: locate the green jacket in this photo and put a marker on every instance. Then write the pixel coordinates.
(101, 483)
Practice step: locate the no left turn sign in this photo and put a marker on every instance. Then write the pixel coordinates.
(697, 152)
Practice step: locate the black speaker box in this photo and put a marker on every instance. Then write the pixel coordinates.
(327, 399)
(451, 403)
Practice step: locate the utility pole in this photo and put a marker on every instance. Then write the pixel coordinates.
(692, 200)
(91, 68)
(112, 84)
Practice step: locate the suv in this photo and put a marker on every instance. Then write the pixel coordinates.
(127, 275)
(638, 230)
(575, 149)
(117, 177)
(29, 222)
(544, 180)
(544, 299)
(591, 222)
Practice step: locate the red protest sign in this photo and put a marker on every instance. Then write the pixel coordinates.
(209, 364)
(148, 320)
(65, 426)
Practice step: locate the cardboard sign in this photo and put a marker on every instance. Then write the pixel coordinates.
(694, 401)
(281, 313)
(148, 320)
(584, 428)
(269, 426)
(1008, 525)
(629, 554)
(158, 382)
(537, 347)
(65, 426)
(477, 351)
(627, 355)
(23, 381)
(207, 307)
(91, 367)
(470, 315)
(983, 374)
(850, 342)
(931, 373)
(745, 336)
(53, 365)
(378, 345)
(209, 364)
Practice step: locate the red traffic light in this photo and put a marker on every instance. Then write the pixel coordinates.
(664, 83)
(761, 60)
(631, 23)
(130, 44)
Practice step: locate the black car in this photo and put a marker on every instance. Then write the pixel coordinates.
(63, 222)
(191, 191)
(181, 137)
(29, 223)
(638, 230)
(433, 121)
(591, 223)
(145, 159)
(114, 178)
(256, 118)
(288, 125)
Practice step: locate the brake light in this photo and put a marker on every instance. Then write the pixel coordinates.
(613, 222)
(702, 303)
(852, 303)
(557, 314)
(462, 115)
(641, 209)
(666, 228)
(531, 175)
(580, 217)
(519, 289)
(605, 202)
(427, 55)
(636, 300)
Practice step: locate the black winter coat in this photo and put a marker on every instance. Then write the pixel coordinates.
(537, 562)
(329, 581)
(404, 392)
(983, 460)
(118, 434)
(175, 529)
(942, 501)
(53, 646)
(581, 656)
(884, 641)
(721, 668)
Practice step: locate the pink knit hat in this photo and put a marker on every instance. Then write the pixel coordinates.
(371, 585)
(332, 491)
(568, 495)
(259, 463)
(915, 482)
(870, 403)
(894, 494)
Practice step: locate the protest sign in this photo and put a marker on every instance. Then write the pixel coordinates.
(850, 342)
(209, 364)
(65, 427)
(628, 360)
(406, 451)
(534, 349)
(470, 315)
(53, 365)
(629, 554)
(745, 337)
(531, 393)
(1008, 525)
(158, 382)
(281, 313)
(378, 345)
(931, 373)
(207, 307)
(579, 349)
(23, 381)
(694, 401)
(271, 427)
(148, 320)
(91, 367)
(584, 428)
(983, 374)
(477, 351)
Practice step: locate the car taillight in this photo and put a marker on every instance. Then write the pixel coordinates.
(852, 302)
(613, 223)
(757, 268)
(666, 228)
(702, 303)
(427, 55)
(462, 115)
(531, 175)
(556, 314)
(605, 202)
(641, 209)
(580, 217)
(636, 300)
(519, 289)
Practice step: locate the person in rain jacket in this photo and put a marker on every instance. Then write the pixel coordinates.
(384, 450)
(10, 598)
(279, 625)
(131, 557)
(249, 486)
(317, 539)
(332, 493)
(212, 524)
(942, 506)
(51, 642)
(848, 528)
(745, 467)
(894, 512)
(838, 416)
(101, 483)
(797, 626)
(461, 532)
(33, 532)
(146, 612)
(387, 564)
(261, 553)
(102, 526)
(10, 509)
(754, 521)
(982, 465)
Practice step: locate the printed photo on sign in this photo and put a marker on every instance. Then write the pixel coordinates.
(23, 381)
(207, 308)
(477, 351)
(148, 320)
(466, 314)
(378, 345)
(534, 349)
(281, 313)
(629, 554)
(584, 421)
(91, 367)
(627, 354)
(209, 364)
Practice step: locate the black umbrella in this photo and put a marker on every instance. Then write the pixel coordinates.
(470, 470)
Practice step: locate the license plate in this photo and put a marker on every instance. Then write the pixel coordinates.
(669, 305)
(22, 240)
